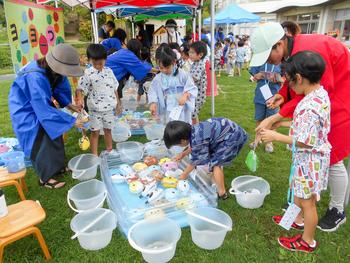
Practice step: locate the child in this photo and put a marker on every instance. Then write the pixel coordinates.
(100, 86)
(248, 54)
(198, 52)
(270, 75)
(215, 142)
(145, 57)
(217, 58)
(309, 131)
(240, 55)
(225, 51)
(185, 49)
(231, 59)
(171, 88)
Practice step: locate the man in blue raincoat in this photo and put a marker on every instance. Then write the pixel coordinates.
(38, 125)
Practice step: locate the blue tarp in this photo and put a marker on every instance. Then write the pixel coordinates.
(125, 11)
(233, 14)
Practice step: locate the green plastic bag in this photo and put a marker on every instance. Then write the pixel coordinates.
(252, 161)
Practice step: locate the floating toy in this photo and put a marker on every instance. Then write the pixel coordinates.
(171, 173)
(150, 160)
(169, 182)
(136, 187)
(183, 203)
(147, 180)
(117, 178)
(154, 195)
(138, 167)
(183, 186)
(131, 178)
(154, 213)
(147, 114)
(84, 143)
(149, 170)
(171, 194)
(148, 189)
(125, 169)
(157, 175)
(170, 166)
(164, 160)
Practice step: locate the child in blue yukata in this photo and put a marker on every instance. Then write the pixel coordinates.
(172, 88)
(215, 142)
(308, 136)
(100, 86)
(270, 75)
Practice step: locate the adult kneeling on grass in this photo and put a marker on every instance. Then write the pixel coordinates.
(38, 125)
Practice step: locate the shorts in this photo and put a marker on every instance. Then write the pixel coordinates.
(101, 120)
(239, 64)
(262, 112)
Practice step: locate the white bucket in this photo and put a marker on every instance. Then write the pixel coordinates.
(205, 234)
(155, 238)
(84, 166)
(157, 149)
(154, 131)
(121, 132)
(130, 152)
(99, 234)
(87, 195)
(250, 191)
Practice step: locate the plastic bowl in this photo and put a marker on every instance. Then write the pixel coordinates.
(14, 161)
(250, 191)
(154, 131)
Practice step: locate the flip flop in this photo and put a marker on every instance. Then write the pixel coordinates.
(52, 185)
(225, 196)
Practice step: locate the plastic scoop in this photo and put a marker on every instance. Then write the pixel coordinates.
(208, 220)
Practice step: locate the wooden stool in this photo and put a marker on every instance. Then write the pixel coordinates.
(20, 222)
(16, 179)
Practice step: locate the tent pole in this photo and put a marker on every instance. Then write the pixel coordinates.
(133, 27)
(212, 66)
(93, 26)
(96, 28)
(200, 21)
(194, 26)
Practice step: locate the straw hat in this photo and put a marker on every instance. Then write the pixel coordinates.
(64, 60)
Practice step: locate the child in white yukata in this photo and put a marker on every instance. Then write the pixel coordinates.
(100, 86)
(198, 52)
(215, 142)
(172, 89)
(308, 136)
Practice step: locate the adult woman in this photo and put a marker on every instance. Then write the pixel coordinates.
(38, 125)
(127, 62)
(270, 43)
(171, 35)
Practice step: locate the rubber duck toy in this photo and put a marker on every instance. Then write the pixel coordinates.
(138, 167)
(171, 194)
(150, 160)
(183, 186)
(169, 182)
(136, 187)
(84, 143)
(164, 160)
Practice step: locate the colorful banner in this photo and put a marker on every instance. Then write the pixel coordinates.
(32, 30)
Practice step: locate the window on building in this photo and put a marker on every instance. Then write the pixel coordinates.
(308, 22)
(342, 23)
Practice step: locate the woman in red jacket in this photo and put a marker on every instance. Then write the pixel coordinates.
(270, 43)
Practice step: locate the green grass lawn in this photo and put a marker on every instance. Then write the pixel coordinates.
(254, 235)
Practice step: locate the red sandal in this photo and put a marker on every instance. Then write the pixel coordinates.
(296, 243)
